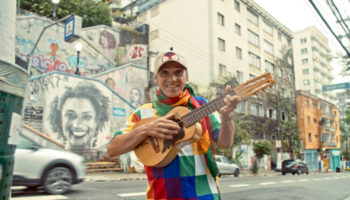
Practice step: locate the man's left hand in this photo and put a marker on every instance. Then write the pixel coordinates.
(231, 104)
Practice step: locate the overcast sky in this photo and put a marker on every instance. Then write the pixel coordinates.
(299, 14)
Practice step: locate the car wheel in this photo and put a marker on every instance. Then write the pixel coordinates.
(32, 187)
(236, 174)
(307, 171)
(299, 171)
(293, 173)
(219, 175)
(283, 173)
(58, 180)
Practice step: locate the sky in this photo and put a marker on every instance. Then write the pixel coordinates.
(299, 14)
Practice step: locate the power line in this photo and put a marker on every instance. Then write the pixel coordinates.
(342, 23)
(318, 12)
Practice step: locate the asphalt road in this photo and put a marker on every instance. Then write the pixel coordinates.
(331, 186)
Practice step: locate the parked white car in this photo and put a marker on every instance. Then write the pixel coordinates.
(226, 166)
(56, 170)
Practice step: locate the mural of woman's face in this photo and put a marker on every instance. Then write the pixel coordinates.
(104, 42)
(111, 83)
(134, 95)
(78, 122)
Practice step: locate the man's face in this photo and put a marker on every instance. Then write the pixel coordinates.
(78, 121)
(172, 78)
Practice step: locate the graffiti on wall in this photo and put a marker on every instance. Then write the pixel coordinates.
(53, 53)
(129, 83)
(76, 112)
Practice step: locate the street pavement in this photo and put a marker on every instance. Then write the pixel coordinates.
(267, 185)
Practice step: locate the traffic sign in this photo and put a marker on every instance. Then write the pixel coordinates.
(335, 87)
(72, 29)
(278, 143)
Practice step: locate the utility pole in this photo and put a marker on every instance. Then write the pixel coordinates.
(278, 126)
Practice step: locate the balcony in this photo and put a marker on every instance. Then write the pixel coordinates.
(315, 46)
(330, 129)
(330, 144)
(316, 54)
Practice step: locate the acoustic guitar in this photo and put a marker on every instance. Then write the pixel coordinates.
(157, 152)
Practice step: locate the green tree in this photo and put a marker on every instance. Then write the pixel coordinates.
(260, 149)
(344, 128)
(92, 13)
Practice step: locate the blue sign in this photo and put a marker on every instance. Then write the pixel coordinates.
(69, 29)
(119, 112)
(335, 87)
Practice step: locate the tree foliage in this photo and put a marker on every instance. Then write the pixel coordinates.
(345, 130)
(262, 148)
(92, 13)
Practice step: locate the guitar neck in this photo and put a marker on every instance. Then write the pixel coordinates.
(205, 110)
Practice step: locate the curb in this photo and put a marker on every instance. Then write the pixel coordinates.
(111, 180)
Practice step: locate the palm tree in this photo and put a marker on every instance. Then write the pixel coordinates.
(344, 138)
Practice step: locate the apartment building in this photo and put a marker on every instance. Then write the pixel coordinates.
(218, 38)
(343, 103)
(319, 130)
(312, 69)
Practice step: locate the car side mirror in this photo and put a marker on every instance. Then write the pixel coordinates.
(34, 148)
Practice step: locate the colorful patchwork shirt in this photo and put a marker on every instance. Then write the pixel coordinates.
(187, 177)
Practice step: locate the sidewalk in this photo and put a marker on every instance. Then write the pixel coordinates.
(125, 176)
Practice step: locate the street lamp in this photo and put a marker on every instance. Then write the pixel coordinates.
(78, 47)
(54, 9)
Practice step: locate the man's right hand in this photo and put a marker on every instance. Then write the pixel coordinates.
(163, 127)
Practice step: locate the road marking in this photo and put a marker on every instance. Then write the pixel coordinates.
(316, 179)
(342, 177)
(242, 185)
(46, 197)
(132, 194)
(18, 187)
(304, 180)
(327, 178)
(287, 181)
(335, 177)
(268, 183)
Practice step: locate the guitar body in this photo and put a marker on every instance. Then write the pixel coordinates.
(157, 152)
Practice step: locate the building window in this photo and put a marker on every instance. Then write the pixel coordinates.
(222, 70)
(238, 29)
(306, 82)
(307, 103)
(283, 116)
(271, 113)
(308, 120)
(281, 73)
(154, 11)
(237, 6)
(304, 51)
(221, 44)
(291, 95)
(309, 137)
(267, 28)
(303, 40)
(240, 77)
(155, 34)
(314, 103)
(305, 71)
(253, 38)
(269, 67)
(279, 36)
(290, 78)
(251, 76)
(282, 91)
(241, 107)
(238, 53)
(253, 17)
(268, 47)
(221, 19)
(255, 109)
(254, 60)
(305, 61)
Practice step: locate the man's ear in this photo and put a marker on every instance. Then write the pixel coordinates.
(155, 79)
(187, 78)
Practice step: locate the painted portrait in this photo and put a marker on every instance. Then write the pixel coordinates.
(108, 45)
(135, 97)
(80, 115)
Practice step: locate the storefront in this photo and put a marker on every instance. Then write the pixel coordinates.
(335, 158)
(310, 157)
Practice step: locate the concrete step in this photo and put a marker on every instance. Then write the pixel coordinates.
(105, 170)
(99, 163)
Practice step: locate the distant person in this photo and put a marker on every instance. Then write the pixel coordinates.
(79, 115)
(108, 44)
(135, 97)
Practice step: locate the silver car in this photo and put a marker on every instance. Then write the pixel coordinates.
(226, 166)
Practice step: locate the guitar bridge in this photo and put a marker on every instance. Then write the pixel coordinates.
(154, 143)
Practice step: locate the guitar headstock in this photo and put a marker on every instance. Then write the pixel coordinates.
(254, 86)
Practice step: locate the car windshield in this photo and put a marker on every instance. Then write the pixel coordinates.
(25, 143)
(288, 162)
(225, 160)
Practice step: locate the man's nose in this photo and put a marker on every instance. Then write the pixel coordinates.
(172, 77)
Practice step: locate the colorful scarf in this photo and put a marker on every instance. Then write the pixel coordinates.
(164, 105)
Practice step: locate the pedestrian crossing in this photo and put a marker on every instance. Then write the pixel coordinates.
(45, 197)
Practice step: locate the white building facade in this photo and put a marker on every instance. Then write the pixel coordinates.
(312, 69)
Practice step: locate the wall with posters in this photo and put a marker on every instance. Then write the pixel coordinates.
(52, 52)
(129, 81)
(75, 111)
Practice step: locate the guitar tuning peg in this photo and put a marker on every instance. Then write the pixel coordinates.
(271, 86)
(263, 90)
(257, 94)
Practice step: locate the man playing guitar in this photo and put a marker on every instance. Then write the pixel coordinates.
(192, 174)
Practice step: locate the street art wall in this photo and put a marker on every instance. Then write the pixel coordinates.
(129, 81)
(52, 52)
(107, 41)
(81, 113)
